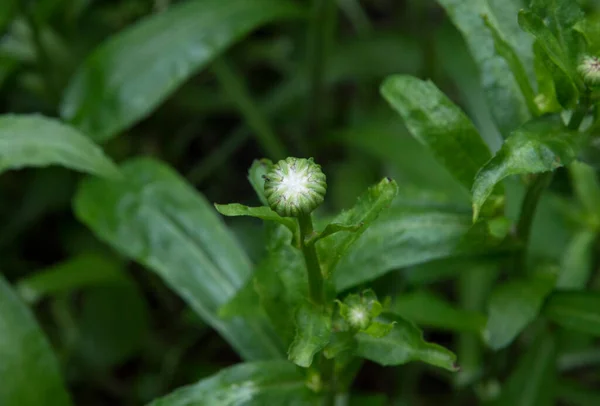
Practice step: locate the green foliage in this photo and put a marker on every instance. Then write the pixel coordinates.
(258, 383)
(30, 373)
(457, 244)
(116, 86)
(39, 141)
(540, 145)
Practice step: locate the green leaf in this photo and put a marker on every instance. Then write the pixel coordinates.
(368, 207)
(533, 382)
(547, 74)
(83, 271)
(561, 16)
(402, 345)
(250, 384)
(30, 374)
(577, 261)
(505, 50)
(111, 91)
(558, 55)
(540, 145)
(313, 331)
(262, 212)
(378, 330)
(438, 124)
(333, 228)
(578, 311)
(156, 218)
(34, 140)
(427, 309)
(282, 285)
(589, 27)
(408, 234)
(513, 305)
(256, 175)
(503, 95)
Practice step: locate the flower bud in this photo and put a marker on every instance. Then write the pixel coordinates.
(295, 186)
(589, 69)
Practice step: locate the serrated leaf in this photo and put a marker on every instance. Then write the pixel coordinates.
(110, 92)
(262, 212)
(250, 384)
(540, 145)
(577, 261)
(333, 228)
(504, 98)
(533, 381)
(402, 345)
(439, 124)
(577, 311)
(313, 331)
(513, 305)
(34, 140)
(427, 309)
(82, 271)
(29, 371)
(379, 197)
(156, 218)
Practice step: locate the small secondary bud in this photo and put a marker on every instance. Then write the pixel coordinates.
(295, 186)
(589, 69)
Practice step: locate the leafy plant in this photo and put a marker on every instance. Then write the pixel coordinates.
(451, 233)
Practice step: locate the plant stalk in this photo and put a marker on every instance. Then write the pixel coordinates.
(313, 268)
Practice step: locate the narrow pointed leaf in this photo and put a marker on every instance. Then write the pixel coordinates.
(256, 172)
(577, 311)
(540, 145)
(29, 371)
(402, 345)
(262, 212)
(156, 218)
(131, 73)
(378, 198)
(513, 305)
(34, 140)
(313, 331)
(439, 124)
(250, 384)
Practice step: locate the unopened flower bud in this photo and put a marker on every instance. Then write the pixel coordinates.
(295, 186)
(589, 69)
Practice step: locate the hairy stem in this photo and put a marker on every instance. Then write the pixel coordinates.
(315, 277)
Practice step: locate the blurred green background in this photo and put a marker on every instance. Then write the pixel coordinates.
(122, 336)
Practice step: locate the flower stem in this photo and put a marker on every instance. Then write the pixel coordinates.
(313, 268)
